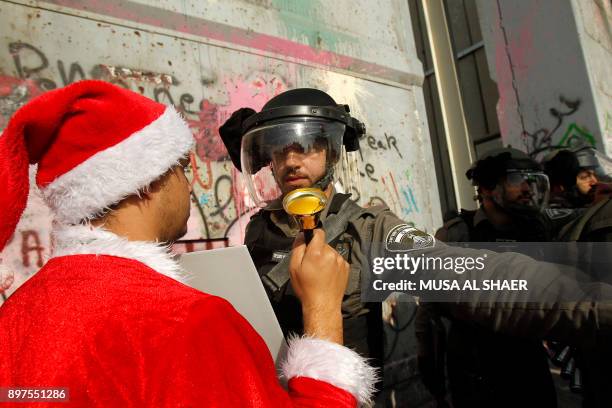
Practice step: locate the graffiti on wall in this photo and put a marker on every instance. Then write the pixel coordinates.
(220, 198)
(564, 132)
(218, 195)
(221, 206)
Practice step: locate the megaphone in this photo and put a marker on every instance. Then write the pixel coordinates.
(305, 205)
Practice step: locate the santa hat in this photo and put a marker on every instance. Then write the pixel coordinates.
(94, 143)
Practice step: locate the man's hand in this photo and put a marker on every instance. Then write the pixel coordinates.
(319, 276)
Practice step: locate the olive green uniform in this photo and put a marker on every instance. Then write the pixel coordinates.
(269, 236)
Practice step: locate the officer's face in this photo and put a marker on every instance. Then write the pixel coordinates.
(585, 180)
(294, 167)
(517, 190)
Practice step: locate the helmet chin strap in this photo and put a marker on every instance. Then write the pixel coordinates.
(325, 181)
(327, 178)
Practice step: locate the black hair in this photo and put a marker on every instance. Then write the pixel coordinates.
(562, 169)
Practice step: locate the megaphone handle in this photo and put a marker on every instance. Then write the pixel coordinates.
(308, 234)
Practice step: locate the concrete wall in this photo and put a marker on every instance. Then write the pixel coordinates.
(594, 21)
(210, 58)
(551, 61)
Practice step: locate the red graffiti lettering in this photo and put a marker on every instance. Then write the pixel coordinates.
(196, 174)
(208, 142)
(30, 241)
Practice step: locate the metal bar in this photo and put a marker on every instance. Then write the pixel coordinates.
(469, 50)
(487, 139)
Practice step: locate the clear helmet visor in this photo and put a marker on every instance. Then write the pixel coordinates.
(525, 191)
(283, 155)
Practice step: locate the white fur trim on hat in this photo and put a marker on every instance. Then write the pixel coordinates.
(121, 170)
(89, 240)
(332, 363)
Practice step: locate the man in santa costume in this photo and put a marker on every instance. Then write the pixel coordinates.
(107, 317)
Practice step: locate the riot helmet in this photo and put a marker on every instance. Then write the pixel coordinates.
(574, 171)
(517, 182)
(594, 165)
(586, 157)
(294, 141)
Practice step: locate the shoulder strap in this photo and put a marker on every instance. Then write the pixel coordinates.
(334, 225)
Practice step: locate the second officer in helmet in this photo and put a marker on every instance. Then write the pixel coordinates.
(486, 368)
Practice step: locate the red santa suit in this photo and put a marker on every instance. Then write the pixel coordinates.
(109, 319)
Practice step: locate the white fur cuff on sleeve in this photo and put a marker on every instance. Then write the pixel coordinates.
(330, 362)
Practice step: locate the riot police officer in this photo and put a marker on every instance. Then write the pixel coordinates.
(512, 192)
(484, 368)
(575, 176)
(589, 364)
(295, 142)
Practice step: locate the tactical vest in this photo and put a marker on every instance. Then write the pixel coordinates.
(485, 368)
(593, 360)
(268, 245)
